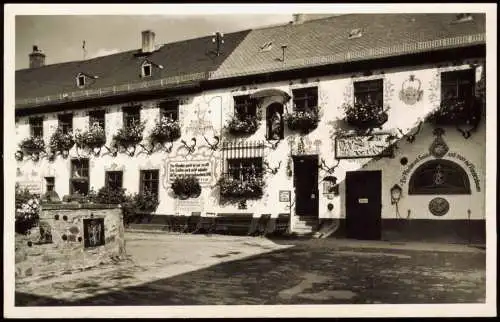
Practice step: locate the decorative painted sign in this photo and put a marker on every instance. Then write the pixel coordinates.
(284, 195)
(363, 146)
(471, 167)
(439, 206)
(201, 169)
(188, 206)
(34, 187)
(410, 91)
(93, 232)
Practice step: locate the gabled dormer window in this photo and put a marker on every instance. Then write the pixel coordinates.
(462, 17)
(355, 33)
(147, 69)
(80, 80)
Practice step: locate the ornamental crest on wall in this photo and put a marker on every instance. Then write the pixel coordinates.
(411, 91)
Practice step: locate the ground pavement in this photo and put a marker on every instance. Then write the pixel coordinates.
(167, 269)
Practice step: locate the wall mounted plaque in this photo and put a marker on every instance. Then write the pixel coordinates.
(363, 146)
(93, 232)
(439, 206)
(284, 195)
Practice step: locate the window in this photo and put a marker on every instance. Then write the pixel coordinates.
(355, 33)
(49, 184)
(146, 70)
(66, 123)
(98, 117)
(243, 168)
(369, 93)
(79, 181)
(114, 179)
(131, 115)
(36, 126)
(458, 85)
(439, 177)
(245, 106)
(80, 80)
(170, 109)
(266, 46)
(149, 181)
(305, 98)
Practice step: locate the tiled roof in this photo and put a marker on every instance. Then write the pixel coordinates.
(182, 61)
(325, 41)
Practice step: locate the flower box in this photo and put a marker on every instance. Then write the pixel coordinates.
(95, 137)
(130, 135)
(165, 130)
(230, 188)
(364, 115)
(32, 145)
(243, 125)
(454, 112)
(186, 187)
(60, 141)
(303, 121)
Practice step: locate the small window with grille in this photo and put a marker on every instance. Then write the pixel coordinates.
(36, 126)
(245, 106)
(131, 116)
(114, 179)
(305, 98)
(170, 109)
(66, 123)
(98, 117)
(245, 168)
(370, 93)
(149, 181)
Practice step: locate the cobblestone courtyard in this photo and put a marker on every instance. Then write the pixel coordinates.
(209, 270)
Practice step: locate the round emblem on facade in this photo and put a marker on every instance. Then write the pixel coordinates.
(439, 206)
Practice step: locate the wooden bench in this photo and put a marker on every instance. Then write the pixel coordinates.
(233, 224)
(282, 225)
(259, 225)
(205, 225)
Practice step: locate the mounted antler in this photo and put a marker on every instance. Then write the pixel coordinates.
(190, 148)
(328, 169)
(113, 150)
(148, 151)
(269, 169)
(411, 137)
(214, 146)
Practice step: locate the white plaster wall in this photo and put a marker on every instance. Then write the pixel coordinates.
(203, 116)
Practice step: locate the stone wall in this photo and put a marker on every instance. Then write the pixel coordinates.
(66, 241)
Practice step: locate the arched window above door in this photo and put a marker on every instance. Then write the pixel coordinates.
(437, 177)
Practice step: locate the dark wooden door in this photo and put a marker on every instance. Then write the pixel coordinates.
(363, 204)
(305, 172)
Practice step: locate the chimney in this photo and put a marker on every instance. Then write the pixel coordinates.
(298, 18)
(37, 58)
(148, 41)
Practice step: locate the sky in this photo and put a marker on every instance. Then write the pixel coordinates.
(60, 37)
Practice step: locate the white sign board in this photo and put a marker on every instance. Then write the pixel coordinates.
(201, 169)
(362, 146)
(188, 206)
(32, 186)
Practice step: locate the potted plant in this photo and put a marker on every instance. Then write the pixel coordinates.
(165, 130)
(92, 139)
(453, 111)
(242, 125)
(129, 135)
(365, 115)
(186, 187)
(303, 121)
(31, 146)
(250, 188)
(61, 142)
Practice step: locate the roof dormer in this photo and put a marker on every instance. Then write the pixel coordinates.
(147, 67)
(82, 79)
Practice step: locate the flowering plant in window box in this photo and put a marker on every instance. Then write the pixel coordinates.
(94, 138)
(250, 188)
(303, 121)
(365, 115)
(129, 136)
(453, 111)
(165, 130)
(61, 142)
(32, 145)
(185, 187)
(27, 210)
(240, 125)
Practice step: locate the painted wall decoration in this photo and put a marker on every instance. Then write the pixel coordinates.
(410, 167)
(188, 206)
(438, 148)
(32, 186)
(363, 146)
(93, 232)
(411, 91)
(471, 166)
(301, 145)
(439, 206)
(201, 169)
(203, 123)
